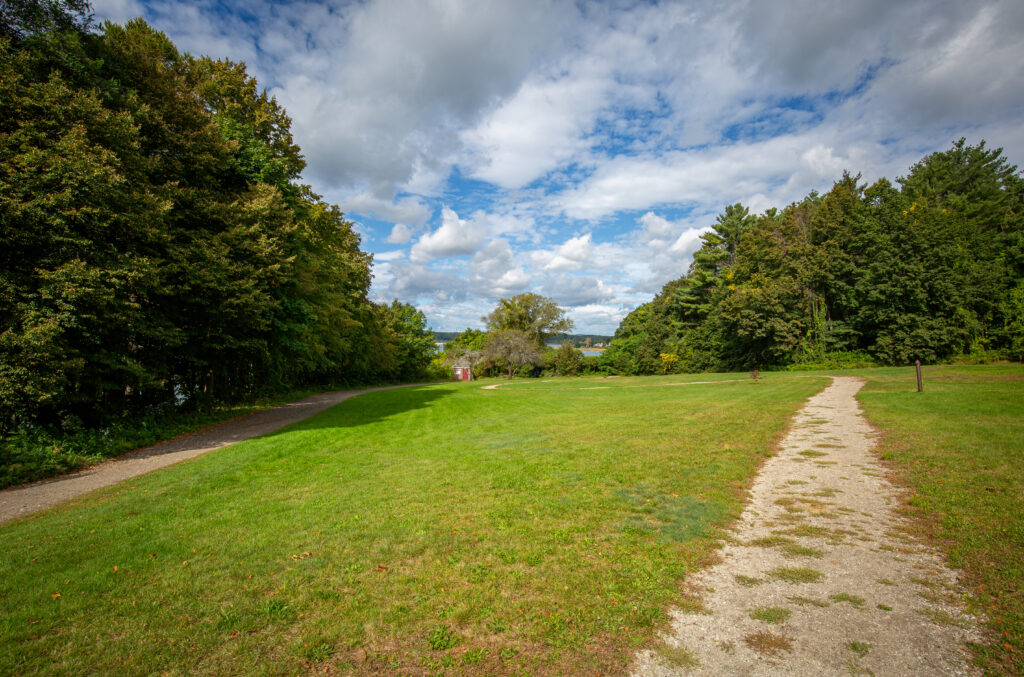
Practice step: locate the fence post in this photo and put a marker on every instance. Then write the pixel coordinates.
(917, 364)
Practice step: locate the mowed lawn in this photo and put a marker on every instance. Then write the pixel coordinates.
(539, 528)
(959, 448)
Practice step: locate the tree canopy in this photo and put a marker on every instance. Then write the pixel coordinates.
(537, 316)
(927, 270)
(159, 246)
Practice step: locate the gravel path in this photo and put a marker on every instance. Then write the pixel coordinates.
(30, 498)
(818, 578)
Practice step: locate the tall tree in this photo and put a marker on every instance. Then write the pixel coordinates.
(536, 315)
(512, 348)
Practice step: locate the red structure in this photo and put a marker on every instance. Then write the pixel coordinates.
(462, 373)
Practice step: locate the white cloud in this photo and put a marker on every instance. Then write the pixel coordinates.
(455, 237)
(393, 255)
(400, 234)
(407, 210)
(577, 291)
(535, 131)
(573, 254)
(494, 272)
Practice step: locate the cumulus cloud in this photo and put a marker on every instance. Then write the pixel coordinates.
(408, 210)
(573, 254)
(535, 131)
(400, 234)
(577, 291)
(413, 282)
(494, 272)
(455, 237)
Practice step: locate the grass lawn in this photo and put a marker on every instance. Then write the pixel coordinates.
(541, 527)
(959, 448)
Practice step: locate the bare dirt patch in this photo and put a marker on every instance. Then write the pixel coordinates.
(862, 610)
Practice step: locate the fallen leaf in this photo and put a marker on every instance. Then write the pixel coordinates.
(55, 595)
(115, 568)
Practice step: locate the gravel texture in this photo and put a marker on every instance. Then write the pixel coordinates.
(818, 577)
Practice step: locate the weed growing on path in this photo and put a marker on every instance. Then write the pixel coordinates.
(796, 575)
(768, 643)
(770, 614)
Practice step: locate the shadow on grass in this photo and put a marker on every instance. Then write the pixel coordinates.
(369, 408)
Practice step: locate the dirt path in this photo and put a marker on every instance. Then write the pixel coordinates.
(818, 578)
(30, 498)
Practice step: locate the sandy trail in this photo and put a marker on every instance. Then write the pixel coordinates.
(882, 604)
(30, 498)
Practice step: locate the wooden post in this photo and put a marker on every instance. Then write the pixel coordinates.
(917, 364)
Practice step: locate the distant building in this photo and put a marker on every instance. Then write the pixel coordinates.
(462, 373)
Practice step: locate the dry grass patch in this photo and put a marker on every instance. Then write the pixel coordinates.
(796, 550)
(768, 643)
(807, 601)
(678, 656)
(796, 574)
(772, 541)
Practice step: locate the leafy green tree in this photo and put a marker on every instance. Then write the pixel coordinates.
(924, 272)
(566, 360)
(412, 342)
(978, 196)
(512, 348)
(161, 249)
(20, 19)
(533, 314)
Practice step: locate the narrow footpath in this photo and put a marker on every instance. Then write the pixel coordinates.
(819, 577)
(27, 499)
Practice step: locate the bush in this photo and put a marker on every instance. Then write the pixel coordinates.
(567, 360)
(980, 357)
(851, 359)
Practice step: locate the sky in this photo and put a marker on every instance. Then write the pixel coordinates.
(580, 149)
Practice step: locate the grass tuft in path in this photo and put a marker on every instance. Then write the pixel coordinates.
(796, 574)
(770, 614)
(768, 643)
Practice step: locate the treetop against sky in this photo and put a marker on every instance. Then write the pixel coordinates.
(579, 150)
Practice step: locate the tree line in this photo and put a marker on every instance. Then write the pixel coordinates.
(929, 269)
(159, 248)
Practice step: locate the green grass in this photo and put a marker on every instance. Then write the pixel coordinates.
(770, 614)
(796, 574)
(536, 528)
(959, 448)
(853, 600)
(860, 648)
